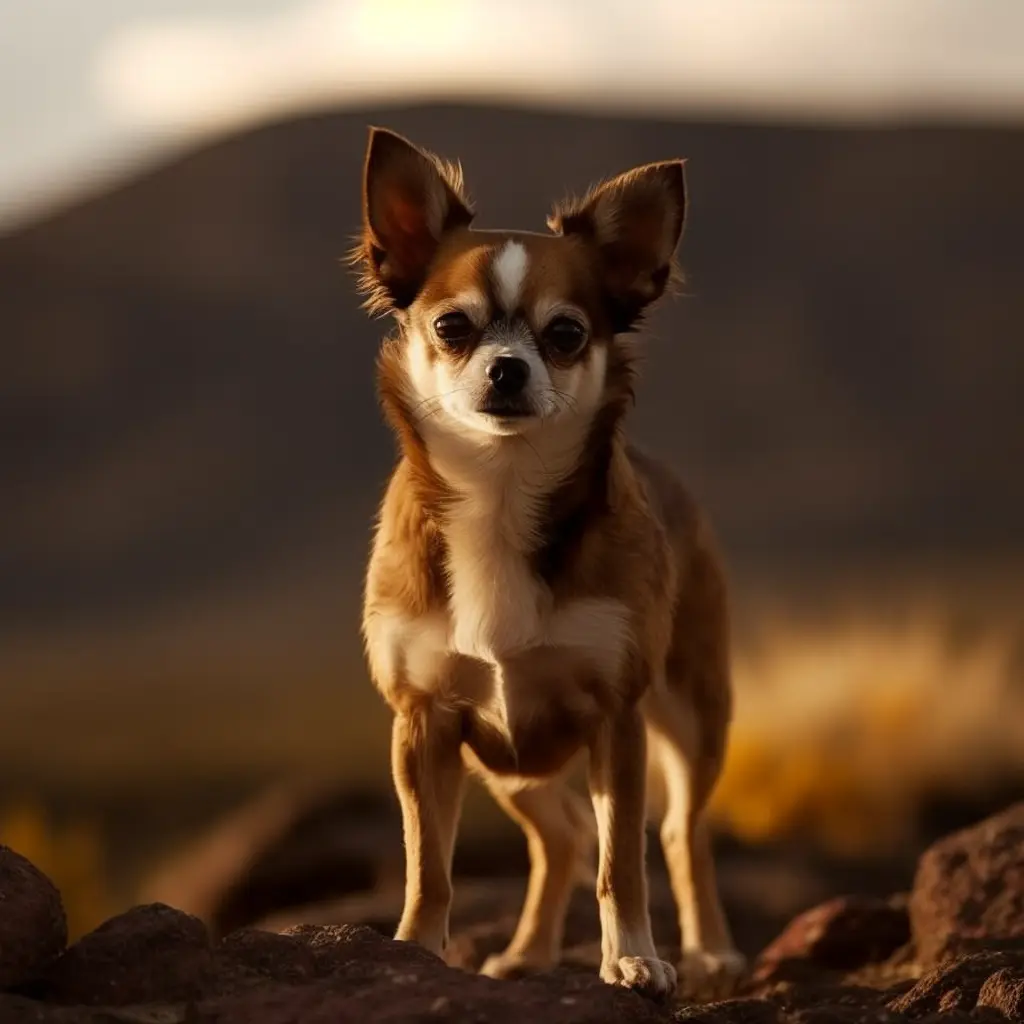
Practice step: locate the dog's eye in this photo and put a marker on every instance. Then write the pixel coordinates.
(565, 335)
(454, 328)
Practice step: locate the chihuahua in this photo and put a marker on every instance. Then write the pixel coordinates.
(537, 587)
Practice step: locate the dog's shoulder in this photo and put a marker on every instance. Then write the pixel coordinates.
(406, 570)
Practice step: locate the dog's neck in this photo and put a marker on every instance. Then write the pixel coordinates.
(509, 481)
(529, 495)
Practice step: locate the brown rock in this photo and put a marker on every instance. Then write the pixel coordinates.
(370, 977)
(732, 1011)
(840, 1013)
(1004, 991)
(19, 1010)
(171, 970)
(150, 954)
(812, 995)
(838, 1006)
(250, 958)
(334, 948)
(969, 890)
(957, 985)
(33, 928)
(843, 934)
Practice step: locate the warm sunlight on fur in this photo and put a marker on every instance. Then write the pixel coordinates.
(536, 587)
(842, 731)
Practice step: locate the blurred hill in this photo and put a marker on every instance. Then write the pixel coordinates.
(191, 455)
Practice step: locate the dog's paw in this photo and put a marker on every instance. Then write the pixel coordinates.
(432, 939)
(646, 975)
(515, 965)
(708, 977)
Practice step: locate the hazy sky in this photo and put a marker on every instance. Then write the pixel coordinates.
(87, 84)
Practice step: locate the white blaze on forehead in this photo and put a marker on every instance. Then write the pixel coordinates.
(509, 270)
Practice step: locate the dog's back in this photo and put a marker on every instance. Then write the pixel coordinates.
(697, 668)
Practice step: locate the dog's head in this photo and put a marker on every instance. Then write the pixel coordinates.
(511, 333)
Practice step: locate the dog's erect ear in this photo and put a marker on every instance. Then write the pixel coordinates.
(411, 198)
(634, 221)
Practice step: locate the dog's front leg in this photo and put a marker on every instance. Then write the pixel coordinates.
(618, 767)
(427, 766)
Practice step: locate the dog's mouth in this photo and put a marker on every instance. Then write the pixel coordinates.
(507, 408)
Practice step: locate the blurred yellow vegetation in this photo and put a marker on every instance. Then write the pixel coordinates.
(71, 854)
(841, 732)
(842, 729)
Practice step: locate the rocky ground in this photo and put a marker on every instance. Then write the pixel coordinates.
(951, 950)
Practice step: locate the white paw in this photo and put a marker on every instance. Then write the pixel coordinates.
(708, 977)
(648, 976)
(515, 965)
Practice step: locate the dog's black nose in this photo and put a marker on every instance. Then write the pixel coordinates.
(508, 375)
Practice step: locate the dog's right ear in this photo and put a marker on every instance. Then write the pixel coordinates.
(411, 199)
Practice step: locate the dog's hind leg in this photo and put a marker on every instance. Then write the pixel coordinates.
(710, 965)
(559, 832)
(688, 712)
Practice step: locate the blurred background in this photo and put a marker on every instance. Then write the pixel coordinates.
(191, 453)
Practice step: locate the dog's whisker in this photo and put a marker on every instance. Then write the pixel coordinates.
(570, 400)
(437, 401)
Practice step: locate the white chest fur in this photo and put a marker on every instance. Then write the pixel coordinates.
(422, 653)
(502, 648)
(500, 609)
(498, 606)
(502, 639)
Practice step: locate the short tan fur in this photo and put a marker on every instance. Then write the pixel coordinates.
(537, 587)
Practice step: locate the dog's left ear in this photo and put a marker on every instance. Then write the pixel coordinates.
(635, 221)
(411, 199)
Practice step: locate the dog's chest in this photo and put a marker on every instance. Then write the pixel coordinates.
(501, 612)
(511, 676)
(496, 602)
(583, 638)
(517, 665)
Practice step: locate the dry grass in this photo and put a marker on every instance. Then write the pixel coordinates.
(845, 723)
(843, 729)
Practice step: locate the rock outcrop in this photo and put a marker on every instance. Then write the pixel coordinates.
(950, 953)
(969, 890)
(33, 928)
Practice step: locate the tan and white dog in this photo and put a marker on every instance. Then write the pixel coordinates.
(538, 588)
